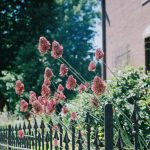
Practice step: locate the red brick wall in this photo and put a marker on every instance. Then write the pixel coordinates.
(128, 19)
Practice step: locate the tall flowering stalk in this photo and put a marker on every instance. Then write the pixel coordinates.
(45, 104)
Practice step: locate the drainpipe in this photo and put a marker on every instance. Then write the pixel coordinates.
(103, 6)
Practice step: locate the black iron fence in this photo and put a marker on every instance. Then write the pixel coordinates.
(41, 137)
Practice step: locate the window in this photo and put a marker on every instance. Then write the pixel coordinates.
(147, 53)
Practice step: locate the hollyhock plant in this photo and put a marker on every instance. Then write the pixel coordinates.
(98, 86)
(45, 91)
(73, 116)
(48, 73)
(63, 70)
(71, 83)
(32, 97)
(23, 106)
(47, 81)
(81, 88)
(19, 87)
(37, 107)
(50, 107)
(99, 54)
(59, 96)
(64, 110)
(92, 66)
(55, 142)
(60, 88)
(44, 45)
(51, 102)
(57, 50)
(21, 134)
(43, 100)
(87, 85)
(62, 96)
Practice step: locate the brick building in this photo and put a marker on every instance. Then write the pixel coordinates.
(127, 33)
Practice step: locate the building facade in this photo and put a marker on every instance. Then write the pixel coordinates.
(127, 33)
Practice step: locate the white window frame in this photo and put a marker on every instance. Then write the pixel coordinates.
(143, 2)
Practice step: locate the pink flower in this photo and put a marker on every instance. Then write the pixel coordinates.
(60, 88)
(73, 116)
(37, 107)
(99, 54)
(98, 86)
(47, 81)
(32, 97)
(92, 66)
(50, 107)
(32, 93)
(55, 142)
(59, 96)
(62, 96)
(23, 106)
(81, 88)
(87, 85)
(44, 45)
(21, 134)
(64, 110)
(19, 87)
(57, 50)
(43, 100)
(45, 92)
(48, 73)
(63, 70)
(71, 83)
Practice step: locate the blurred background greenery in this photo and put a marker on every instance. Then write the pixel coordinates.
(22, 22)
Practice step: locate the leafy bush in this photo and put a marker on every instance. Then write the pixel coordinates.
(127, 86)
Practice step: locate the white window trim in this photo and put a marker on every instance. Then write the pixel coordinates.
(146, 32)
(143, 2)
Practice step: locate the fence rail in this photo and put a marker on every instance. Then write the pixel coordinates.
(43, 137)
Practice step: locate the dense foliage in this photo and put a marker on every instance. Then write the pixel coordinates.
(123, 89)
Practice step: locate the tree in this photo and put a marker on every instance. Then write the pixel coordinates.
(23, 22)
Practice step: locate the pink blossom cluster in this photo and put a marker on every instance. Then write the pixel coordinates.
(57, 50)
(21, 134)
(71, 83)
(92, 66)
(19, 87)
(98, 86)
(64, 110)
(23, 106)
(56, 142)
(99, 54)
(47, 101)
(63, 70)
(44, 45)
(82, 88)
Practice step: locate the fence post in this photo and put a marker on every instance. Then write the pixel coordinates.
(88, 129)
(73, 134)
(108, 127)
(9, 136)
(42, 129)
(135, 132)
(61, 135)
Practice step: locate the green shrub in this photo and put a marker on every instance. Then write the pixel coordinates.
(126, 86)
